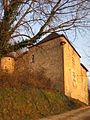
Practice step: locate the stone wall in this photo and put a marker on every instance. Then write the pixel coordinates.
(7, 64)
(42, 66)
(75, 76)
(84, 89)
(6, 71)
(52, 65)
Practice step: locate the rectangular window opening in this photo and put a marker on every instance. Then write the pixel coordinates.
(73, 60)
(32, 58)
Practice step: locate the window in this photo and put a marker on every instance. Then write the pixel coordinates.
(74, 80)
(74, 76)
(73, 60)
(6, 69)
(32, 58)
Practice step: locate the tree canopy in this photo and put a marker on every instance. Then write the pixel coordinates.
(27, 21)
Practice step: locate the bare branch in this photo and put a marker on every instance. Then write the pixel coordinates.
(31, 19)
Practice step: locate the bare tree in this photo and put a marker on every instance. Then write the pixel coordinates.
(29, 20)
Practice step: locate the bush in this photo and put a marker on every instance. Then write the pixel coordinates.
(33, 103)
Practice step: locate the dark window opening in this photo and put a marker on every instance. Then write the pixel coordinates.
(32, 58)
(6, 69)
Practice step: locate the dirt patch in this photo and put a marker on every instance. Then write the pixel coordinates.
(86, 118)
(79, 114)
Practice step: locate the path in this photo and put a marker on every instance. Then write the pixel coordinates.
(79, 114)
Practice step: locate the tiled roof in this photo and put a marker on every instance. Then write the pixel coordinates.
(54, 35)
(49, 37)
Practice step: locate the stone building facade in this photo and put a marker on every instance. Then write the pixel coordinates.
(53, 63)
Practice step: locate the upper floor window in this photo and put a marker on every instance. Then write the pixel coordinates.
(73, 60)
(74, 80)
(74, 76)
(33, 58)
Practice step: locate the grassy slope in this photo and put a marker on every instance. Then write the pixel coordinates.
(33, 103)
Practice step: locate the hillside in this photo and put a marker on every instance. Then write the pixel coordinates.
(33, 103)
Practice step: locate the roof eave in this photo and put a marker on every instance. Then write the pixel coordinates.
(84, 67)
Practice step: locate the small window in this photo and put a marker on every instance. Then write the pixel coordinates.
(74, 80)
(6, 69)
(74, 75)
(73, 60)
(32, 58)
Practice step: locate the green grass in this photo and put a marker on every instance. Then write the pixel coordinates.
(33, 103)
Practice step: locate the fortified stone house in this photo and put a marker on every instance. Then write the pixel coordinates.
(53, 63)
